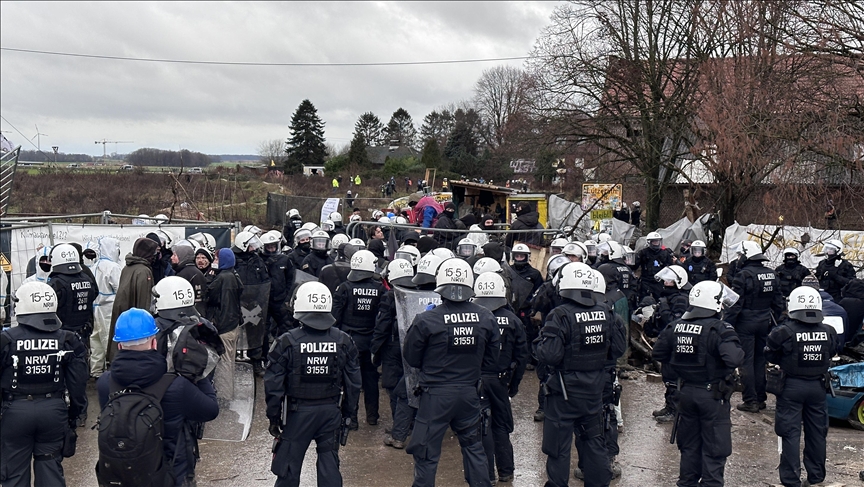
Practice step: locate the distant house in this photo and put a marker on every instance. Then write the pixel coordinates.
(377, 155)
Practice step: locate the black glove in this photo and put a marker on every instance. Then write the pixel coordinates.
(275, 430)
(514, 389)
(376, 359)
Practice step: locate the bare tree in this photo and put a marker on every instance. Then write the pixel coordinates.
(501, 97)
(272, 150)
(623, 74)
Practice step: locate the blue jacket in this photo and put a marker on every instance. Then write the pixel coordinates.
(183, 401)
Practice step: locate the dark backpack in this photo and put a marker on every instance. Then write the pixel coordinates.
(131, 434)
(191, 345)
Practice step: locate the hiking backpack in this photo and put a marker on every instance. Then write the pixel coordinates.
(131, 437)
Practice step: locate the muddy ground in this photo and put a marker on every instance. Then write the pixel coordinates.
(647, 458)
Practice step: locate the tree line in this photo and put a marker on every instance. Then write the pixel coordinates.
(755, 91)
(168, 158)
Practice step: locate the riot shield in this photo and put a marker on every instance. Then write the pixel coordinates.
(235, 414)
(253, 309)
(410, 303)
(521, 289)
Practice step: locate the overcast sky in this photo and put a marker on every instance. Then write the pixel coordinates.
(231, 109)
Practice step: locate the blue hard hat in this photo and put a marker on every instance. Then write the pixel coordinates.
(134, 324)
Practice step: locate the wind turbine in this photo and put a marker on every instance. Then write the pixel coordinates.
(38, 138)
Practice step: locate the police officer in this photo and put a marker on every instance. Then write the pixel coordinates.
(703, 350)
(525, 281)
(501, 379)
(75, 290)
(281, 273)
(753, 316)
(791, 273)
(651, 260)
(355, 306)
(336, 273)
(38, 362)
(312, 385)
(671, 306)
(698, 266)
(449, 344)
(802, 346)
(578, 339)
(387, 352)
(834, 271)
(302, 247)
(319, 256)
(292, 224)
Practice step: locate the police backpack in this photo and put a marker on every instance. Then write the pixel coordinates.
(131, 437)
(192, 347)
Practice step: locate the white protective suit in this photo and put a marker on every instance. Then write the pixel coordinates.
(475, 235)
(40, 276)
(107, 272)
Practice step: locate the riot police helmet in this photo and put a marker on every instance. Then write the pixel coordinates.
(362, 266)
(65, 259)
(301, 236)
(36, 306)
(486, 264)
(175, 298)
(752, 251)
(833, 247)
(320, 240)
(400, 272)
(466, 248)
(575, 251)
(555, 264)
(409, 253)
(805, 304)
(426, 269)
(489, 291)
(674, 274)
(313, 304)
(443, 253)
(576, 283)
(697, 248)
(247, 242)
(336, 217)
(557, 245)
(454, 280)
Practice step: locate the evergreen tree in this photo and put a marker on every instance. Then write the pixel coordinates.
(463, 146)
(401, 129)
(357, 153)
(306, 144)
(437, 125)
(371, 128)
(431, 156)
(544, 166)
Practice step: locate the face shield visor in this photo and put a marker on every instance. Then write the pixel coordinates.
(466, 250)
(592, 249)
(667, 274)
(629, 257)
(253, 244)
(320, 243)
(728, 297)
(655, 243)
(831, 250)
(697, 251)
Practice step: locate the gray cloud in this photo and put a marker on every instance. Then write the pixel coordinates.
(230, 109)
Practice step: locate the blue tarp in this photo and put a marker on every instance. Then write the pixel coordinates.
(851, 375)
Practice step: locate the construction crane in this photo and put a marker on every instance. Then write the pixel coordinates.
(105, 141)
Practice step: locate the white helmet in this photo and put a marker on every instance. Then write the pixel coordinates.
(247, 242)
(591, 248)
(558, 245)
(400, 272)
(36, 306)
(362, 265)
(577, 283)
(426, 269)
(466, 248)
(309, 226)
(401, 220)
(613, 249)
(752, 251)
(554, 264)
(697, 248)
(385, 220)
(338, 240)
(292, 213)
(599, 282)
(833, 247)
(142, 219)
(320, 240)
(271, 237)
(486, 264)
(521, 249)
(454, 280)
(65, 259)
(708, 298)
(175, 298)
(575, 249)
(805, 304)
(328, 226)
(301, 234)
(443, 252)
(377, 214)
(160, 218)
(205, 240)
(354, 218)
(313, 304)
(489, 291)
(674, 273)
(409, 253)
(164, 238)
(791, 250)
(336, 217)
(253, 230)
(358, 242)
(629, 256)
(603, 237)
(654, 236)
